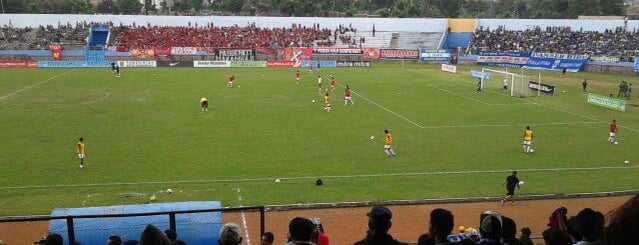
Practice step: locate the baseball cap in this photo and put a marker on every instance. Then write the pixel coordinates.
(380, 214)
(230, 233)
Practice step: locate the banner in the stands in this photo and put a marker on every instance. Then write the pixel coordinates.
(511, 59)
(234, 54)
(399, 54)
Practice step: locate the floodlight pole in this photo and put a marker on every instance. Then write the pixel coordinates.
(2, 5)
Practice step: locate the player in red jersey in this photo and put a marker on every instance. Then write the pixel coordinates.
(297, 76)
(310, 69)
(231, 81)
(613, 131)
(332, 83)
(347, 96)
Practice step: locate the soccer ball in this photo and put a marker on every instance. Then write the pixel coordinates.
(532, 150)
(521, 183)
(169, 191)
(626, 162)
(239, 86)
(277, 181)
(313, 101)
(372, 137)
(616, 142)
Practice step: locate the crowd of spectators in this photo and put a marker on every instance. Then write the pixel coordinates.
(71, 36)
(250, 36)
(587, 227)
(618, 43)
(563, 40)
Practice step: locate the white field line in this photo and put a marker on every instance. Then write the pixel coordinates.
(383, 108)
(551, 108)
(315, 177)
(509, 125)
(84, 202)
(244, 223)
(104, 97)
(35, 84)
(460, 95)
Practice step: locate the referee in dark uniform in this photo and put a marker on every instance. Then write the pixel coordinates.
(511, 182)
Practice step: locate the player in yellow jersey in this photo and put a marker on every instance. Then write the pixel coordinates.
(327, 103)
(80, 151)
(388, 149)
(204, 104)
(528, 137)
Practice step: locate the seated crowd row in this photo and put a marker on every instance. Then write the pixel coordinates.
(588, 227)
(618, 43)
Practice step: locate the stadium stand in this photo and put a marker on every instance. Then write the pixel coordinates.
(128, 37)
(616, 42)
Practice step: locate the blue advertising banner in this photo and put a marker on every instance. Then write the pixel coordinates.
(558, 62)
(322, 63)
(434, 55)
(571, 65)
(478, 74)
(511, 59)
(73, 64)
(636, 64)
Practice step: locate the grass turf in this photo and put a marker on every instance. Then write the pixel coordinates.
(145, 133)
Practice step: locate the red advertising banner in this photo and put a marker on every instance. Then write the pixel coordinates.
(280, 63)
(142, 53)
(261, 50)
(370, 53)
(56, 51)
(161, 52)
(400, 54)
(297, 54)
(18, 64)
(337, 51)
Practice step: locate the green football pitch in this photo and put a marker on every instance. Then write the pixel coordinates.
(145, 133)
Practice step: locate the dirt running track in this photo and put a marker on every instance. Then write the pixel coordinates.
(347, 225)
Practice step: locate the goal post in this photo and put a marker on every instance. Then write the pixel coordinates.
(517, 84)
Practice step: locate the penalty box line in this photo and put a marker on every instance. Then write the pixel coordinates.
(315, 177)
(544, 106)
(35, 84)
(383, 108)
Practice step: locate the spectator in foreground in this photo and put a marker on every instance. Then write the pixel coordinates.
(379, 222)
(53, 239)
(268, 238)
(114, 240)
(557, 221)
(440, 228)
(300, 231)
(525, 236)
(587, 227)
(170, 234)
(230, 234)
(490, 228)
(319, 236)
(151, 235)
(557, 237)
(130, 242)
(510, 231)
(623, 223)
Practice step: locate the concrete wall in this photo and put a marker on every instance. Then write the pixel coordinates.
(587, 25)
(361, 24)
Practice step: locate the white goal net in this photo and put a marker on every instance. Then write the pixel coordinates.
(516, 84)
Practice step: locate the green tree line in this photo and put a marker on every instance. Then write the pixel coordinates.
(524, 9)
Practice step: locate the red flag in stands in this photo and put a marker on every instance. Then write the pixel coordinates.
(56, 51)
